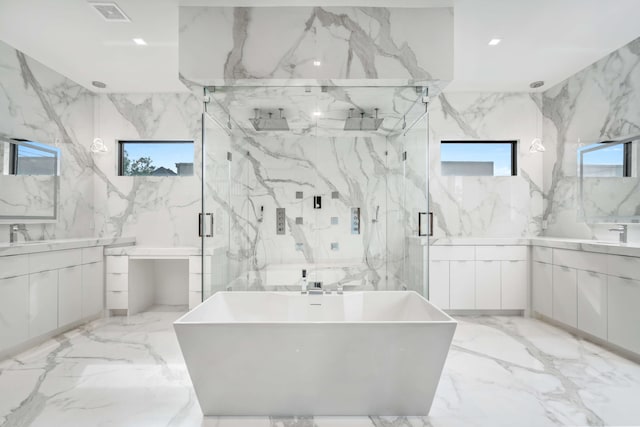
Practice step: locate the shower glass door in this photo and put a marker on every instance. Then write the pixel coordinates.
(214, 222)
(418, 222)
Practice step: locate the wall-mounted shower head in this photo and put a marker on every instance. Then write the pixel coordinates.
(269, 123)
(362, 122)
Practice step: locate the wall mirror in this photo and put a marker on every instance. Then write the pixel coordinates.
(29, 181)
(609, 181)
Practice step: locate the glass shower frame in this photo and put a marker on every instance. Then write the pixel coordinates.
(225, 221)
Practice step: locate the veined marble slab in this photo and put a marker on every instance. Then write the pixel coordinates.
(141, 251)
(500, 372)
(57, 245)
(600, 246)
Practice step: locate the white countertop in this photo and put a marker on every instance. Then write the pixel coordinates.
(143, 251)
(600, 246)
(61, 244)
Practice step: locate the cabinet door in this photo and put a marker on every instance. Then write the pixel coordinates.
(69, 295)
(439, 283)
(542, 288)
(565, 295)
(43, 302)
(14, 306)
(514, 285)
(592, 303)
(92, 289)
(488, 294)
(462, 292)
(623, 313)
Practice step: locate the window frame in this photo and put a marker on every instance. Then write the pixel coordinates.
(123, 142)
(514, 153)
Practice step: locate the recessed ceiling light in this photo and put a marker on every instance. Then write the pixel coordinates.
(494, 42)
(317, 113)
(98, 84)
(140, 42)
(110, 11)
(536, 84)
(317, 63)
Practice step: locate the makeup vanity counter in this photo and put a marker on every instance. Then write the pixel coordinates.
(139, 277)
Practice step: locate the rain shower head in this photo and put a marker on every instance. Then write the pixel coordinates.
(362, 122)
(269, 123)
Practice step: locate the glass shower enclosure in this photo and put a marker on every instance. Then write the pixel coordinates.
(332, 180)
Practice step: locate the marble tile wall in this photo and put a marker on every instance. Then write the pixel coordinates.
(601, 102)
(39, 104)
(486, 206)
(224, 44)
(158, 211)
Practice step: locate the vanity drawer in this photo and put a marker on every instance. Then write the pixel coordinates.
(117, 282)
(501, 253)
(117, 300)
(14, 265)
(118, 264)
(452, 253)
(623, 266)
(195, 265)
(542, 254)
(587, 261)
(91, 255)
(54, 260)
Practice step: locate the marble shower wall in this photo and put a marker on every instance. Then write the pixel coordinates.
(38, 104)
(158, 211)
(224, 44)
(486, 206)
(601, 102)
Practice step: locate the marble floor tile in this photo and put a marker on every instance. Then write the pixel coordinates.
(501, 371)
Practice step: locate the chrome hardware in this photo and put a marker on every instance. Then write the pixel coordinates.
(15, 230)
(315, 288)
(622, 230)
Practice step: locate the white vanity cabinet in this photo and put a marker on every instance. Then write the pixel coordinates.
(69, 295)
(44, 291)
(565, 299)
(14, 310)
(462, 284)
(623, 299)
(439, 283)
(592, 303)
(43, 302)
(482, 277)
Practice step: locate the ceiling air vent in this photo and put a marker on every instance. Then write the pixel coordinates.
(110, 11)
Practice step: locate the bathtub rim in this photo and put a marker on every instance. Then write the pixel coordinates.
(449, 321)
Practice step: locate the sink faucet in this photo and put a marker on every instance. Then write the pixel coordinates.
(315, 288)
(622, 229)
(15, 230)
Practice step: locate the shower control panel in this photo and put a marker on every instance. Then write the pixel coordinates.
(355, 220)
(280, 221)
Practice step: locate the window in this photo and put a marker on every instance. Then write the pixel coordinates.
(478, 158)
(155, 158)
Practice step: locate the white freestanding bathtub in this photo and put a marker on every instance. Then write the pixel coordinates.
(284, 353)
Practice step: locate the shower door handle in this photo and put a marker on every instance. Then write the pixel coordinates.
(210, 225)
(421, 224)
(201, 224)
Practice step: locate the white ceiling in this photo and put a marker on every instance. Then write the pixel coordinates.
(542, 40)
